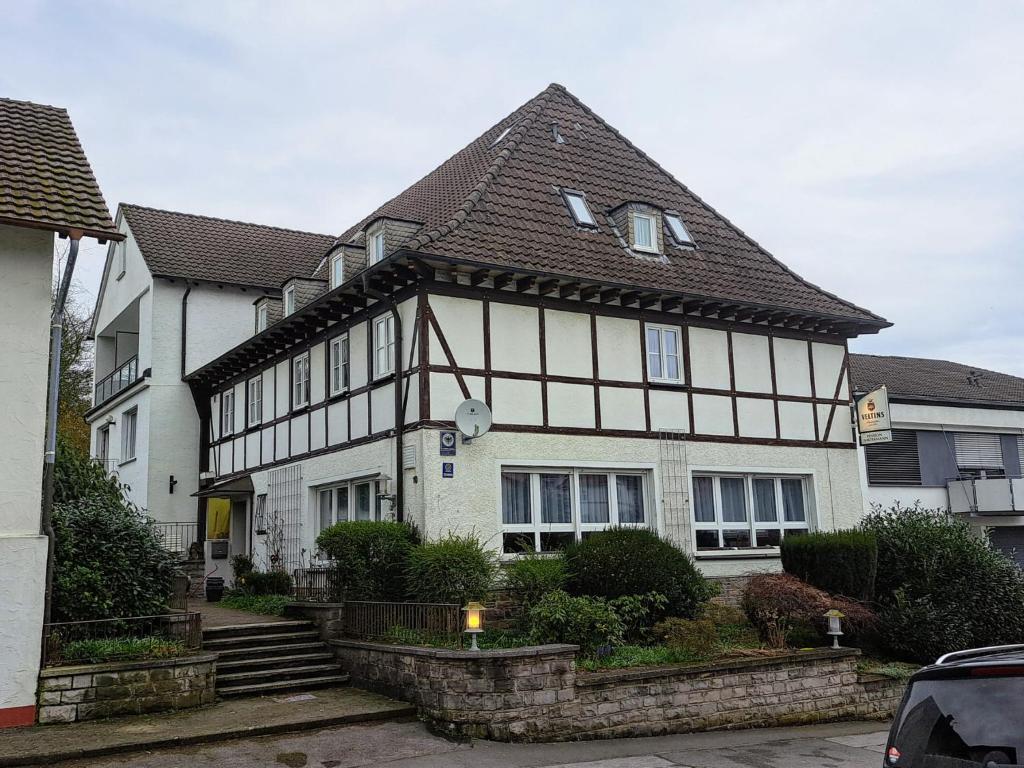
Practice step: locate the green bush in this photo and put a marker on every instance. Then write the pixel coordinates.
(638, 613)
(635, 561)
(242, 565)
(77, 477)
(532, 576)
(584, 621)
(265, 605)
(839, 562)
(119, 649)
(371, 558)
(697, 638)
(940, 586)
(260, 583)
(454, 569)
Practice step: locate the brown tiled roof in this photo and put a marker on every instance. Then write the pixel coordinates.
(222, 251)
(45, 178)
(498, 202)
(941, 380)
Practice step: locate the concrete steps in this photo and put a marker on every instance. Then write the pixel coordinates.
(273, 657)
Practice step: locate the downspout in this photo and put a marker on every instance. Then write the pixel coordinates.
(50, 451)
(184, 325)
(399, 416)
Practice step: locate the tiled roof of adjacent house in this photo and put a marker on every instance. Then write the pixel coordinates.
(940, 380)
(220, 250)
(45, 178)
(497, 201)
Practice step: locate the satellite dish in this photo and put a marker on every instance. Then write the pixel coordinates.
(473, 418)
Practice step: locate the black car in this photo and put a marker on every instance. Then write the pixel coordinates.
(964, 711)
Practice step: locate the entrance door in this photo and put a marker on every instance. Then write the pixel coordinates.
(239, 527)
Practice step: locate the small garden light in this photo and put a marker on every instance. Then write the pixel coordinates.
(835, 628)
(474, 622)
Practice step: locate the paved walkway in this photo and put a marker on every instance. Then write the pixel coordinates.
(409, 745)
(217, 615)
(234, 718)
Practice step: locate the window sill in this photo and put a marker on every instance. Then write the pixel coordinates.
(770, 553)
(670, 383)
(646, 251)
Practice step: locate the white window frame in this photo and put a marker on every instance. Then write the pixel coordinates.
(300, 381)
(661, 353)
(751, 525)
(121, 251)
(376, 246)
(254, 392)
(677, 227)
(383, 341)
(576, 526)
(129, 433)
(337, 269)
(103, 445)
(289, 300)
(262, 318)
(342, 363)
(329, 494)
(227, 412)
(653, 219)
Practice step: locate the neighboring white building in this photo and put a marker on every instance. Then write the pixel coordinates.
(47, 186)
(176, 292)
(646, 363)
(958, 442)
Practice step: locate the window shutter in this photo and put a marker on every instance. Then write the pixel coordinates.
(1020, 453)
(978, 451)
(894, 463)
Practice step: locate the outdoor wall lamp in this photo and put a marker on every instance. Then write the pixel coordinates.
(835, 628)
(474, 622)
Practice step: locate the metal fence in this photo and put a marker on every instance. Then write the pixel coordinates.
(177, 538)
(85, 642)
(318, 584)
(435, 622)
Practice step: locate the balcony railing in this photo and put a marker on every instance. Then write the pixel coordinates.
(120, 379)
(987, 496)
(177, 538)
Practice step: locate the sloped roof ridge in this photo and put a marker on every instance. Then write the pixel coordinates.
(704, 203)
(220, 220)
(911, 358)
(516, 135)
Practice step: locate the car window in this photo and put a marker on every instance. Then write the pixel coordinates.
(961, 723)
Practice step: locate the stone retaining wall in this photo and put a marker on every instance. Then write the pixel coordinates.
(731, 589)
(537, 694)
(88, 692)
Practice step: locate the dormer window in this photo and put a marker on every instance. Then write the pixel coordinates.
(289, 300)
(375, 246)
(678, 229)
(579, 209)
(645, 236)
(261, 318)
(337, 270)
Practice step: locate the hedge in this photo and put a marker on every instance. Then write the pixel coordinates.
(839, 562)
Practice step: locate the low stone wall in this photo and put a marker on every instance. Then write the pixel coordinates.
(88, 692)
(731, 589)
(328, 617)
(536, 694)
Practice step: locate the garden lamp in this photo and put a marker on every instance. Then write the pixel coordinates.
(474, 622)
(835, 628)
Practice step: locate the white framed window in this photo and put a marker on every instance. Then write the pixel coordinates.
(129, 427)
(255, 391)
(664, 353)
(375, 246)
(300, 380)
(289, 300)
(261, 318)
(748, 511)
(227, 412)
(645, 237)
(679, 231)
(103, 445)
(340, 503)
(337, 269)
(383, 345)
(121, 253)
(546, 509)
(340, 367)
(579, 209)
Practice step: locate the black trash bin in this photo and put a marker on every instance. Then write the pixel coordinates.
(214, 589)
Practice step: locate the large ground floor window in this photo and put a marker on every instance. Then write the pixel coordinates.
(355, 500)
(748, 511)
(546, 509)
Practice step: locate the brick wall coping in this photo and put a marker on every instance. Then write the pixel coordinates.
(125, 666)
(633, 674)
(449, 654)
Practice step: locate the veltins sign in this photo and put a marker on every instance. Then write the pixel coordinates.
(873, 421)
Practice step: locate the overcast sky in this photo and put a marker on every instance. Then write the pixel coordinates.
(877, 149)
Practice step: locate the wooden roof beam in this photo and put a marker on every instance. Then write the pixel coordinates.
(547, 287)
(569, 289)
(500, 281)
(589, 292)
(524, 284)
(609, 294)
(478, 276)
(649, 301)
(629, 298)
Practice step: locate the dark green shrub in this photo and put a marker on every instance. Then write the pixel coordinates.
(584, 621)
(638, 613)
(634, 561)
(268, 583)
(839, 562)
(940, 586)
(371, 558)
(242, 565)
(697, 638)
(76, 477)
(454, 569)
(108, 561)
(532, 576)
(265, 605)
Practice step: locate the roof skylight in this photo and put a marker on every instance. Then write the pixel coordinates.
(579, 209)
(678, 229)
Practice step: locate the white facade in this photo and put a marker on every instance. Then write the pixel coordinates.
(26, 263)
